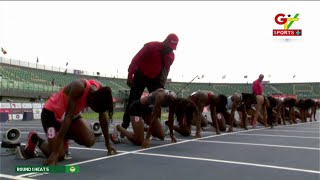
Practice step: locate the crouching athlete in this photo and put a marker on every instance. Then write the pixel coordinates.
(147, 110)
(61, 120)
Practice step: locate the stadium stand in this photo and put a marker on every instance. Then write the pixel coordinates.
(27, 81)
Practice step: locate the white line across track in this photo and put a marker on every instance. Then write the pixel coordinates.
(172, 144)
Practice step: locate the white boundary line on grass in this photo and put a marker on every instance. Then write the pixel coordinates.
(155, 147)
(21, 127)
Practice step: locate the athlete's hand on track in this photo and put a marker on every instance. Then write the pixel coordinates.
(111, 150)
(52, 160)
(146, 144)
(173, 139)
(198, 135)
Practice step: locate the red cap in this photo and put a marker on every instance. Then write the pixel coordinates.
(172, 41)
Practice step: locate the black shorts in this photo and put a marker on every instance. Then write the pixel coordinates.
(51, 125)
(138, 109)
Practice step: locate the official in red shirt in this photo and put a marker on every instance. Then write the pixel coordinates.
(146, 68)
(257, 87)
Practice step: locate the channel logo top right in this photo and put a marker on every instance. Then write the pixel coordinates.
(286, 21)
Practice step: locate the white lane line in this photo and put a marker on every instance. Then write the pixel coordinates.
(23, 125)
(160, 146)
(281, 130)
(24, 132)
(94, 149)
(266, 145)
(230, 162)
(269, 135)
(32, 127)
(153, 138)
(13, 177)
(140, 150)
(215, 160)
(35, 175)
(290, 127)
(192, 133)
(156, 147)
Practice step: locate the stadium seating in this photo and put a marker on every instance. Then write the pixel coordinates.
(37, 80)
(6, 84)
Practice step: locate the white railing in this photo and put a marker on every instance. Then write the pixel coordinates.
(46, 67)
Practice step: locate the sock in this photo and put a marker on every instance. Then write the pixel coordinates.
(40, 142)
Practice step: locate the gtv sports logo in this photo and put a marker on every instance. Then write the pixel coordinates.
(286, 21)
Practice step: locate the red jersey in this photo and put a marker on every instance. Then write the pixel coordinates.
(149, 60)
(58, 102)
(257, 87)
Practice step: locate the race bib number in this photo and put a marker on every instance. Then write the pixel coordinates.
(51, 132)
(136, 118)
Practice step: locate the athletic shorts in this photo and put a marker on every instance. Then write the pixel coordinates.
(138, 109)
(51, 125)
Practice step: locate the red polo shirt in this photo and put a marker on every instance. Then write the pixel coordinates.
(257, 87)
(149, 61)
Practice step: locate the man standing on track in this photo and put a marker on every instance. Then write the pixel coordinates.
(257, 88)
(149, 69)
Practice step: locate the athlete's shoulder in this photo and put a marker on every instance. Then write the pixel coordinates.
(78, 83)
(170, 93)
(154, 45)
(77, 86)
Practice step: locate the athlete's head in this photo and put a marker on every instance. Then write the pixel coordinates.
(185, 107)
(309, 103)
(222, 101)
(172, 93)
(101, 101)
(273, 101)
(289, 102)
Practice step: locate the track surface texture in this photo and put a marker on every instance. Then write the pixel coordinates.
(288, 152)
